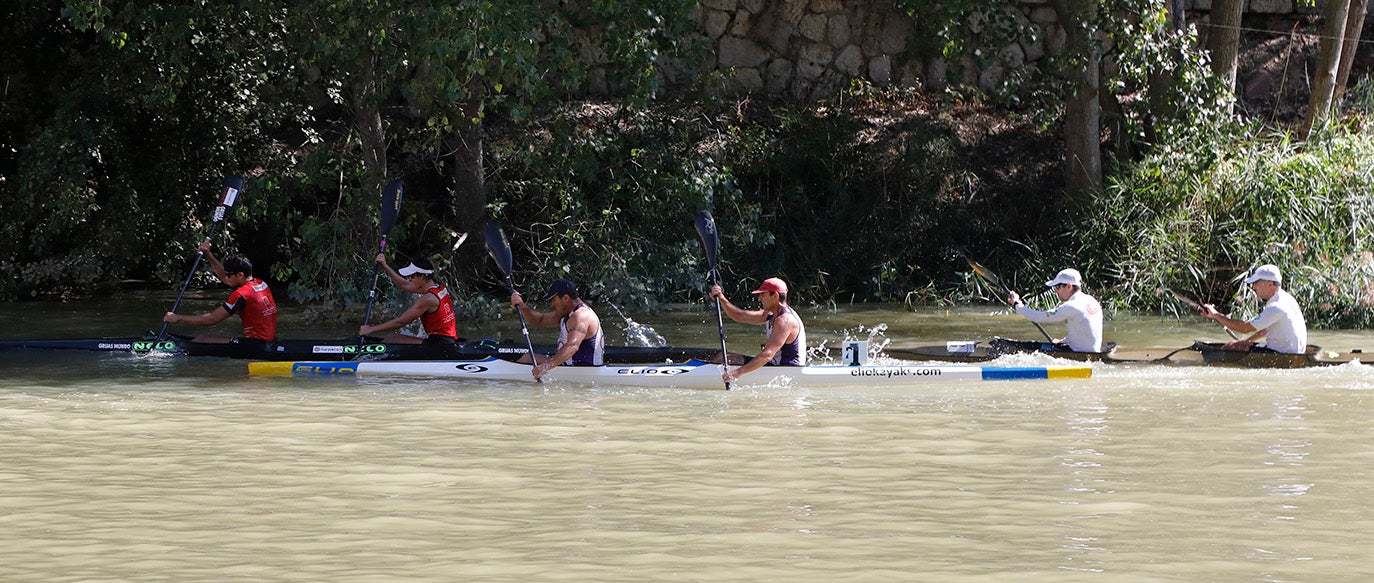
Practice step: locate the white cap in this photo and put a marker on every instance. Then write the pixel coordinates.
(1268, 271)
(1069, 276)
(413, 269)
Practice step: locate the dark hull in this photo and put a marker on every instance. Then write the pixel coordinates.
(985, 351)
(345, 349)
(1200, 353)
(1213, 353)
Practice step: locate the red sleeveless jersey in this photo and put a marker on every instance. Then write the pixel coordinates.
(253, 302)
(441, 322)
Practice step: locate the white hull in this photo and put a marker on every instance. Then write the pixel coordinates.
(688, 375)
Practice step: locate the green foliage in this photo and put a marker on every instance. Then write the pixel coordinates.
(1306, 206)
(861, 199)
(1185, 105)
(120, 135)
(605, 196)
(126, 115)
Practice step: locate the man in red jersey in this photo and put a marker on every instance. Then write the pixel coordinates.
(433, 307)
(251, 300)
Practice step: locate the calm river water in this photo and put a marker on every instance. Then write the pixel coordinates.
(116, 468)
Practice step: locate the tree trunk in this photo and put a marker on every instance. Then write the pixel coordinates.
(1354, 27)
(372, 142)
(367, 117)
(1161, 80)
(1082, 114)
(1223, 40)
(469, 182)
(1328, 61)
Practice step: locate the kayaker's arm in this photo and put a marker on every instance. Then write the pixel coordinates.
(532, 317)
(582, 324)
(1245, 343)
(391, 274)
(206, 319)
(575, 338)
(783, 330)
(214, 263)
(425, 304)
(737, 313)
(1241, 326)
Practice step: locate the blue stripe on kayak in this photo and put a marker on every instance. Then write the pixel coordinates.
(1015, 373)
(325, 368)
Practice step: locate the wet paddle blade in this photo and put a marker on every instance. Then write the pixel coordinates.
(710, 240)
(1193, 300)
(986, 274)
(499, 247)
(391, 204)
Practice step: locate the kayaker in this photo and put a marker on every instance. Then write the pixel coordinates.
(433, 308)
(786, 343)
(1280, 324)
(1081, 313)
(580, 341)
(251, 300)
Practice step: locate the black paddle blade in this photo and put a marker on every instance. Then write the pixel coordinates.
(986, 274)
(1193, 300)
(391, 204)
(706, 231)
(498, 246)
(229, 193)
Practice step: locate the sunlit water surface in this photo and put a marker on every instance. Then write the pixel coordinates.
(116, 468)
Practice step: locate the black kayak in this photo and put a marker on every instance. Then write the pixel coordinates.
(346, 349)
(985, 351)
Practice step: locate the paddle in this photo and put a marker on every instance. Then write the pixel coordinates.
(706, 231)
(499, 248)
(992, 278)
(1195, 302)
(391, 206)
(229, 192)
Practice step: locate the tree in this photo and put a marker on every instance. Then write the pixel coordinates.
(373, 83)
(1082, 113)
(1223, 41)
(441, 67)
(1328, 63)
(1354, 28)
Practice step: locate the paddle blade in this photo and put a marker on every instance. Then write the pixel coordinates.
(986, 274)
(499, 247)
(228, 195)
(391, 204)
(1193, 300)
(710, 241)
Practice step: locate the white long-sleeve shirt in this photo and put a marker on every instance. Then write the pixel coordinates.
(1285, 330)
(1083, 316)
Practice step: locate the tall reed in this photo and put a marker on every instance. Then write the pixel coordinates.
(1306, 206)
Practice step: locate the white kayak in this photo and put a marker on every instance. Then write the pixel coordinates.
(692, 374)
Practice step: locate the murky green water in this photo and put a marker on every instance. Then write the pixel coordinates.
(115, 468)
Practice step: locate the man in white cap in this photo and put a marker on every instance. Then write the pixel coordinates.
(433, 308)
(1081, 312)
(1280, 323)
(786, 344)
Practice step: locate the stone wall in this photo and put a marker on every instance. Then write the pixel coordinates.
(812, 49)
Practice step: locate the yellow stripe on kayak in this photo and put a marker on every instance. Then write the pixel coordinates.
(1069, 372)
(270, 368)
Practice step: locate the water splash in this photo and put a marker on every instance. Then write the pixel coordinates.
(637, 334)
(876, 336)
